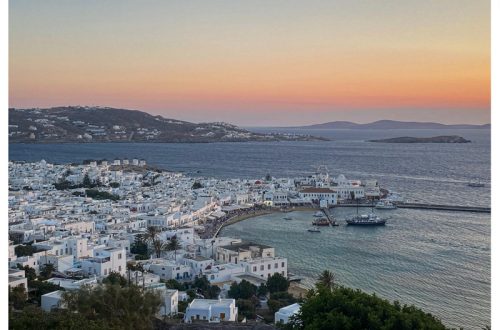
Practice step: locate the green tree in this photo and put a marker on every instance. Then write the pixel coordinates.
(25, 250)
(243, 290)
(29, 273)
(246, 307)
(114, 184)
(139, 246)
(125, 308)
(86, 181)
(46, 271)
(173, 245)
(17, 297)
(277, 283)
(262, 290)
(197, 185)
(116, 279)
(327, 279)
(151, 237)
(345, 308)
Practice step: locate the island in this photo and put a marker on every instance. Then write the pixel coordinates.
(391, 124)
(84, 124)
(435, 139)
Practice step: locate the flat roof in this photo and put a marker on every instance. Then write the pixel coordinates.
(244, 246)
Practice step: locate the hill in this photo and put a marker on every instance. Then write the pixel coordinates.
(435, 139)
(102, 124)
(391, 124)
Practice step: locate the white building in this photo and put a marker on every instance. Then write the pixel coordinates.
(316, 195)
(105, 261)
(52, 300)
(211, 310)
(283, 315)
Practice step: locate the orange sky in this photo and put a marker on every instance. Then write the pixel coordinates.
(289, 62)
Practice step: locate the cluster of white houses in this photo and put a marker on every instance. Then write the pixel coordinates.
(89, 238)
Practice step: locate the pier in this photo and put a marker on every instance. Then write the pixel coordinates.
(423, 206)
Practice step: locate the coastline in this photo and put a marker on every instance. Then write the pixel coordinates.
(254, 214)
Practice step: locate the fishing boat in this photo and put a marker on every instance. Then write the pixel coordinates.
(314, 230)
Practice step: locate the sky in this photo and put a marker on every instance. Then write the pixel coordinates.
(256, 62)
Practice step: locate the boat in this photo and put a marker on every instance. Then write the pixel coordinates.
(318, 214)
(366, 220)
(321, 222)
(314, 230)
(394, 197)
(385, 205)
(287, 218)
(476, 184)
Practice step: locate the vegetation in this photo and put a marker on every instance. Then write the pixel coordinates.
(329, 306)
(115, 278)
(197, 185)
(17, 297)
(204, 287)
(101, 195)
(139, 248)
(151, 237)
(277, 283)
(25, 250)
(114, 185)
(243, 290)
(173, 245)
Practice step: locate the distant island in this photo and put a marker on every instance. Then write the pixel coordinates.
(391, 124)
(435, 139)
(75, 124)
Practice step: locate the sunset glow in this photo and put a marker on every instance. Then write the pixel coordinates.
(256, 62)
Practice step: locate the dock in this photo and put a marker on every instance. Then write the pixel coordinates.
(423, 206)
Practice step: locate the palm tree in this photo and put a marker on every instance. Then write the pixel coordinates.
(151, 236)
(327, 279)
(173, 245)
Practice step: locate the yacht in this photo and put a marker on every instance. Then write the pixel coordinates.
(366, 220)
(385, 205)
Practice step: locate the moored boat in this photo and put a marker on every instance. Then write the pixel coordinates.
(321, 222)
(385, 205)
(318, 214)
(366, 220)
(314, 230)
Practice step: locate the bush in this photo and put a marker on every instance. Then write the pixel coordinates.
(277, 283)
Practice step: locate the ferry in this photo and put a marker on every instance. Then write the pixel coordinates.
(385, 205)
(314, 230)
(366, 220)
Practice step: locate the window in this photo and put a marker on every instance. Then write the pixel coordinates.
(269, 266)
(261, 267)
(119, 268)
(254, 268)
(283, 264)
(276, 265)
(119, 255)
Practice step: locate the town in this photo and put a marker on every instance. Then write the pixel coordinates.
(79, 225)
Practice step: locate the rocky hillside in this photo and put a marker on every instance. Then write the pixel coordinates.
(99, 124)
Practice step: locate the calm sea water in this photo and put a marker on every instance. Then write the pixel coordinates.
(439, 261)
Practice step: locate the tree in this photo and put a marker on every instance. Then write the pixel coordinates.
(345, 308)
(86, 181)
(17, 297)
(173, 245)
(151, 236)
(25, 250)
(327, 279)
(46, 271)
(139, 247)
(115, 278)
(243, 290)
(114, 184)
(197, 185)
(277, 283)
(29, 273)
(246, 307)
(262, 290)
(121, 308)
(207, 290)
(268, 177)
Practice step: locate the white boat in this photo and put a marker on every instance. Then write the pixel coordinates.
(314, 230)
(287, 218)
(394, 197)
(476, 184)
(385, 205)
(318, 214)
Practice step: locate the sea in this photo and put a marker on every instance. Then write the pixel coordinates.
(436, 260)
